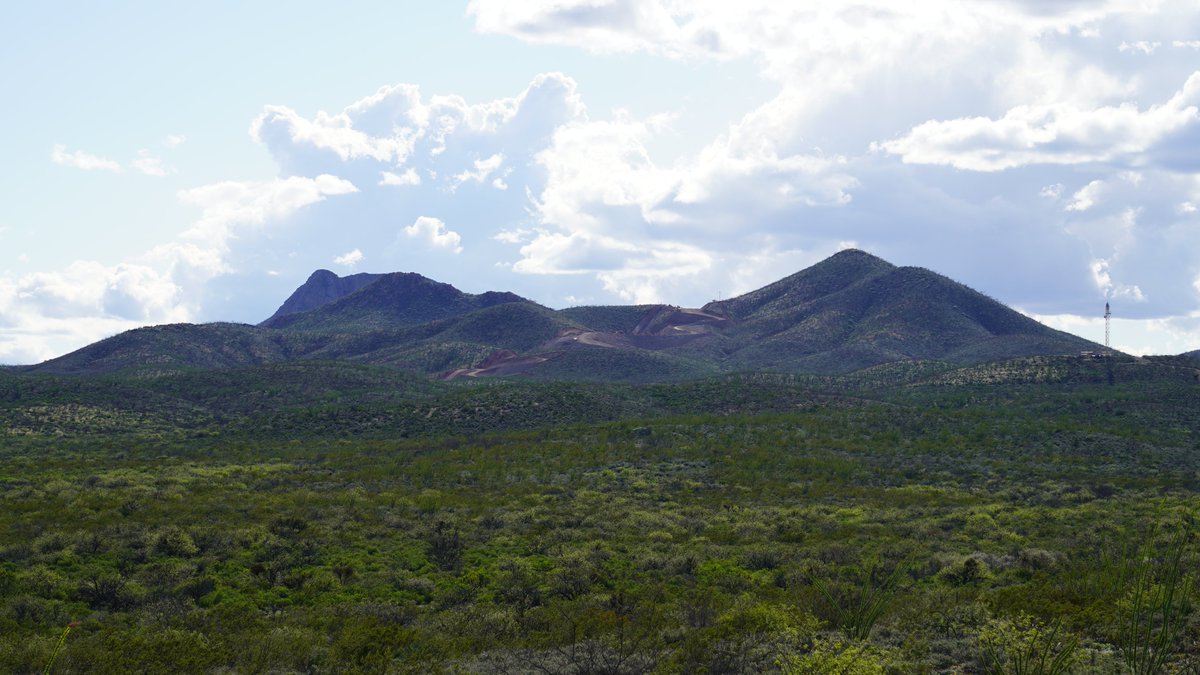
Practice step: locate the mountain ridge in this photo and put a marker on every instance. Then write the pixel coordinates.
(850, 311)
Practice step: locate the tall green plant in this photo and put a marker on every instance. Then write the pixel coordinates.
(1153, 615)
(62, 640)
(857, 608)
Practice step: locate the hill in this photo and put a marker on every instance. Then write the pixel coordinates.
(172, 347)
(854, 311)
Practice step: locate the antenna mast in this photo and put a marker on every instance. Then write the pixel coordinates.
(1107, 322)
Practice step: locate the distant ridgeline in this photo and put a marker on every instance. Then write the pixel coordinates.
(849, 312)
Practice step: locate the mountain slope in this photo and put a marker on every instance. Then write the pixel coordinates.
(174, 347)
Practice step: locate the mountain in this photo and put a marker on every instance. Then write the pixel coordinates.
(1194, 354)
(855, 310)
(849, 312)
(386, 301)
(322, 287)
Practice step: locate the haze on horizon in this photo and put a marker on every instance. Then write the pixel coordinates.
(197, 163)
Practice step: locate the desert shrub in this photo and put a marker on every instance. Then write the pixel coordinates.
(749, 637)
(1026, 646)
(834, 657)
(174, 541)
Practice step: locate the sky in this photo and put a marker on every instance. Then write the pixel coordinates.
(195, 162)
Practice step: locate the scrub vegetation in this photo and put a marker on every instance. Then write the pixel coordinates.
(1025, 516)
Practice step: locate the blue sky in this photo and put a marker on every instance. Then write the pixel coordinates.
(172, 163)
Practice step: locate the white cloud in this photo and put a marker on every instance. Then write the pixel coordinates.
(1049, 134)
(435, 233)
(409, 177)
(337, 132)
(1100, 275)
(516, 236)
(349, 259)
(394, 123)
(150, 165)
(229, 204)
(716, 29)
(1086, 197)
(1168, 335)
(649, 277)
(483, 168)
(620, 26)
(1139, 47)
(1187, 207)
(1186, 44)
(1052, 191)
(47, 313)
(174, 141)
(82, 160)
(1103, 279)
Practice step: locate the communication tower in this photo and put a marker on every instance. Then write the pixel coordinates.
(1107, 322)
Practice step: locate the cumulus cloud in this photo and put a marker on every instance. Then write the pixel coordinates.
(80, 159)
(174, 141)
(335, 133)
(349, 259)
(229, 204)
(434, 231)
(1034, 95)
(1049, 134)
(1086, 197)
(46, 313)
(384, 130)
